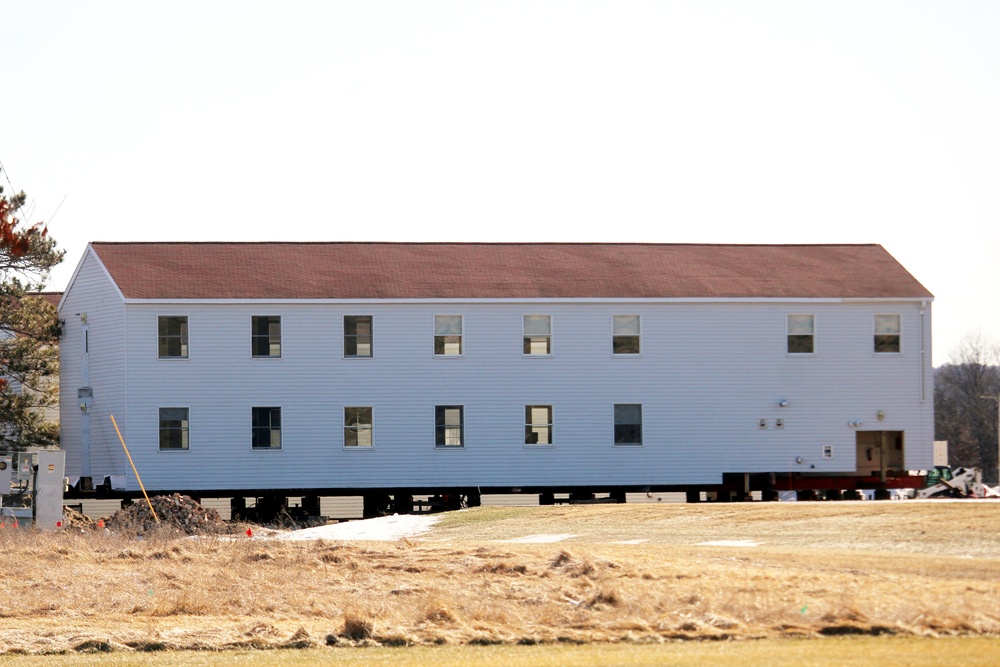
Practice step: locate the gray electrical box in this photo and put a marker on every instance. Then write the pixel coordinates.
(24, 461)
(32, 486)
(48, 500)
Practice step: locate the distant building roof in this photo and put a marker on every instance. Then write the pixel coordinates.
(52, 297)
(502, 270)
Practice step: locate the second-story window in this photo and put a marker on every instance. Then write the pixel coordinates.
(801, 330)
(887, 334)
(358, 336)
(265, 336)
(172, 341)
(448, 335)
(625, 337)
(538, 334)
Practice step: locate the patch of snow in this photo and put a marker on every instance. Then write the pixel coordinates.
(729, 543)
(557, 537)
(383, 528)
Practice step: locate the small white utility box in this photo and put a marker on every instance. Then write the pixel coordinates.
(940, 452)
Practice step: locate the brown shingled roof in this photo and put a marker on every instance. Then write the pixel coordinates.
(51, 297)
(502, 270)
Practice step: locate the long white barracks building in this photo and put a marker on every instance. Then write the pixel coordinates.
(464, 368)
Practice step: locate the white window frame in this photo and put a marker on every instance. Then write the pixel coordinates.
(254, 336)
(789, 333)
(371, 337)
(370, 427)
(898, 334)
(185, 345)
(615, 336)
(530, 426)
(526, 338)
(614, 426)
(281, 427)
(460, 335)
(185, 430)
(445, 425)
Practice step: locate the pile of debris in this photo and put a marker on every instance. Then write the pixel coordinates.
(177, 512)
(74, 519)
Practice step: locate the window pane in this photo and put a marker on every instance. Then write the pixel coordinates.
(358, 427)
(625, 345)
(537, 325)
(357, 416)
(448, 345)
(265, 428)
(537, 345)
(172, 340)
(448, 325)
(538, 435)
(448, 426)
(174, 428)
(364, 436)
(538, 424)
(265, 336)
(887, 343)
(800, 324)
(887, 331)
(800, 344)
(628, 413)
(628, 424)
(887, 324)
(628, 434)
(626, 334)
(626, 325)
(357, 335)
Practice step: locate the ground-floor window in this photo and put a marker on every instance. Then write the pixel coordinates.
(265, 428)
(628, 424)
(538, 424)
(358, 427)
(449, 426)
(174, 428)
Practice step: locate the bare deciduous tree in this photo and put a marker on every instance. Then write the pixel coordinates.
(962, 415)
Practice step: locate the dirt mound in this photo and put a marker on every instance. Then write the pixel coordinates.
(178, 512)
(74, 519)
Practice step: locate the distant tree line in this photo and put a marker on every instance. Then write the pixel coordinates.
(966, 390)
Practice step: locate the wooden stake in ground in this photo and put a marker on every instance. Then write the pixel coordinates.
(146, 495)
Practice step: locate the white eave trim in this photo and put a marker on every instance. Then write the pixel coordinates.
(886, 299)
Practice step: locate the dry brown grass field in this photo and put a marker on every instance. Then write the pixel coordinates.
(917, 569)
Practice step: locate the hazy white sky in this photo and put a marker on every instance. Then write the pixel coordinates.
(701, 121)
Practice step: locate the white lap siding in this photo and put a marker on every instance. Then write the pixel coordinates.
(706, 374)
(93, 295)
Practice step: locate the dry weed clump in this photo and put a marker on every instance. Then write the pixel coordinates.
(358, 625)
